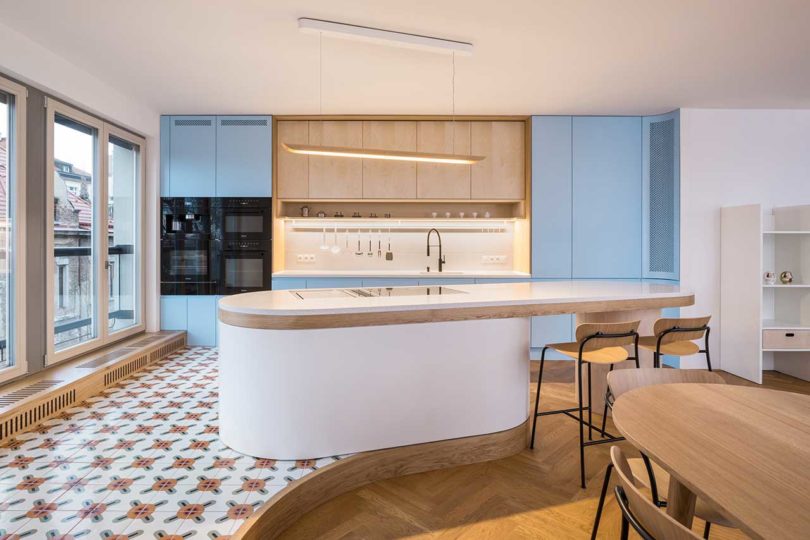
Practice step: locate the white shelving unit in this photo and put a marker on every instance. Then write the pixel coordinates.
(765, 326)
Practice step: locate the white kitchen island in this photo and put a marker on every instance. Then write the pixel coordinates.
(324, 372)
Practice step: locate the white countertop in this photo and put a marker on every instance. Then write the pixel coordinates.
(414, 274)
(285, 303)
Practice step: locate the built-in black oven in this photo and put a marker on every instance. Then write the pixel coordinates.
(243, 228)
(188, 254)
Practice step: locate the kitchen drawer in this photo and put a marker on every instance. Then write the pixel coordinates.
(786, 339)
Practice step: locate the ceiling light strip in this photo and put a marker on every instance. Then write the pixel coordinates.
(367, 153)
(384, 37)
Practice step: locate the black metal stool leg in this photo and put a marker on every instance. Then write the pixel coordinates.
(604, 413)
(590, 419)
(601, 501)
(706, 529)
(537, 397)
(706, 350)
(581, 428)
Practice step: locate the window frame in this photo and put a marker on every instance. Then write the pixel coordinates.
(100, 242)
(17, 180)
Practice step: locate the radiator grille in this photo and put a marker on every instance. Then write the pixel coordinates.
(187, 122)
(105, 358)
(123, 371)
(28, 391)
(662, 197)
(243, 122)
(30, 417)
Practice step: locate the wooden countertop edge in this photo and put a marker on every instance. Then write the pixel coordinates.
(441, 314)
(357, 470)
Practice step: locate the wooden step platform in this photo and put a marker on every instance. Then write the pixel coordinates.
(29, 401)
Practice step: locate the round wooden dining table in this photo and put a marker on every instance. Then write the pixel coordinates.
(744, 449)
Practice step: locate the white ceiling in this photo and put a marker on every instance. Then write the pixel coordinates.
(531, 56)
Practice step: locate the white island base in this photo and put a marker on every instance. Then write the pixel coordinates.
(299, 394)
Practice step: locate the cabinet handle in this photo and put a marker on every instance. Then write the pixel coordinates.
(789, 334)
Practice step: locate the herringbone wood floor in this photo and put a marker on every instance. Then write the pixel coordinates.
(534, 494)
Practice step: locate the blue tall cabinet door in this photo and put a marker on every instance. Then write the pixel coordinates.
(551, 196)
(661, 196)
(202, 320)
(243, 157)
(165, 151)
(192, 156)
(173, 312)
(606, 197)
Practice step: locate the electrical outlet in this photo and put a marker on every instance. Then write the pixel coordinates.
(305, 258)
(493, 259)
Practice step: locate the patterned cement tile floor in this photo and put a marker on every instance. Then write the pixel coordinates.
(141, 461)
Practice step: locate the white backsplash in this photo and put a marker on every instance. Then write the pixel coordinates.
(464, 250)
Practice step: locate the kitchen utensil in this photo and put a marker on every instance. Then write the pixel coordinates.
(359, 251)
(324, 245)
(335, 246)
(369, 253)
(389, 255)
(379, 244)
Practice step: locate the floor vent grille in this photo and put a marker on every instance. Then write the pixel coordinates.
(32, 416)
(167, 349)
(28, 391)
(121, 372)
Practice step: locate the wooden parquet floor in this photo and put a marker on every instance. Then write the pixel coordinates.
(534, 494)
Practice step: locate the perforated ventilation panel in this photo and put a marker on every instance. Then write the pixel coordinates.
(192, 122)
(243, 122)
(662, 197)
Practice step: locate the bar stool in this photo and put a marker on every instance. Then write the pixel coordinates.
(597, 343)
(676, 337)
(642, 471)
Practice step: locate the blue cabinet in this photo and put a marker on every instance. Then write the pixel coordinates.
(173, 313)
(551, 196)
(286, 283)
(389, 282)
(165, 151)
(202, 320)
(197, 315)
(447, 281)
(661, 196)
(484, 281)
(606, 238)
(333, 283)
(243, 156)
(551, 329)
(192, 157)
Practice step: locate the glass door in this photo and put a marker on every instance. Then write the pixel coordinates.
(95, 205)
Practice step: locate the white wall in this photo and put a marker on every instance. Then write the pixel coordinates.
(732, 157)
(26, 60)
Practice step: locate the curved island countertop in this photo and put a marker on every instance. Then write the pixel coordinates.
(288, 311)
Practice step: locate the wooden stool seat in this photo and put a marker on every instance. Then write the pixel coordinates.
(674, 348)
(605, 355)
(703, 510)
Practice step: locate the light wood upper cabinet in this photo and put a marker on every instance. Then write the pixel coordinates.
(438, 180)
(335, 178)
(293, 169)
(383, 179)
(502, 174)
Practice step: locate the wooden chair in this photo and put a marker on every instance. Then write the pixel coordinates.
(676, 337)
(644, 472)
(597, 343)
(637, 511)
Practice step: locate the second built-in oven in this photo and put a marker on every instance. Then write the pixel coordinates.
(242, 227)
(245, 271)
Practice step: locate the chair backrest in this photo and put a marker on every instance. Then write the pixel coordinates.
(623, 380)
(667, 324)
(655, 521)
(586, 330)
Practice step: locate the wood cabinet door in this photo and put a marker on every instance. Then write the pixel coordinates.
(384, 179)
(293, 169)
(501, 175)
(335, 177)
(441, 180)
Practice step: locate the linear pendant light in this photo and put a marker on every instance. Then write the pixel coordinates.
(386, 37)
(367, 153)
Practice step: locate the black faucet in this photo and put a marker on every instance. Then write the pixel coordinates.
(441, 257)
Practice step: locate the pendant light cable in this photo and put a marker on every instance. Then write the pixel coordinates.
(320, 73)
(453, 99)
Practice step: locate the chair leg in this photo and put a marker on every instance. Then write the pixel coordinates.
(656, 360)
(706, 349)
(601, 501)
(706, 529)
(537, 397)
(581, 429)
(604, 412)
(625, 529)
(590, 419)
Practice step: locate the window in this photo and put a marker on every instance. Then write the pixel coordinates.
(12, 163)
(95, 240)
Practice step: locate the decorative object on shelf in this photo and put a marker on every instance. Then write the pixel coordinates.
(486, 215)
(305, 211)
(461, 215)
(770, 278)
(338, 214)
(434, 214)
(357, 215)
(475, 215)
(786, 277)
(387, 215)
(447, 215)
(321, 214)
(372, 215)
